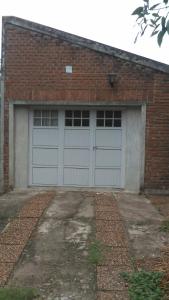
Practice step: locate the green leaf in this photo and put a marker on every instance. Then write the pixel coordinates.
(138, 10)
(135, 40)
(153, 22)
(144, 30)
(144, 285)
(140, 16)
(154, 6)
(155, 15)
(160, 37)
(163, 20)
(167, 26)
(157, 19)
(157, 26)
(154, 32)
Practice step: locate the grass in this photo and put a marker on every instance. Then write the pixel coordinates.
(165, 226)
(144, 285)
(18, 293)
(95, 253)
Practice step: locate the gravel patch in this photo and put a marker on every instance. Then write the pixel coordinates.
(115, 257)
(109, 278)
(107, 226)
(10, 253)
(151, 264)
(112, 238)
(107, 208)
(108, 215)
(115, 295)
(17, 232)
(110, 231)
(5, 271)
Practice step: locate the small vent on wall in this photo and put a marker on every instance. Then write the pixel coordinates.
(69, 69)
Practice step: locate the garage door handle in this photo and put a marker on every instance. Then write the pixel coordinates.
(95, 148)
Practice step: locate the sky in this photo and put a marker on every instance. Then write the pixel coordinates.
(105, 21)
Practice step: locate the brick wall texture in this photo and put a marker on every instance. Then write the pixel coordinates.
(35, 71)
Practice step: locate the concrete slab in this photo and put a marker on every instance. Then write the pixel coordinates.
(55, 260)
(142, 221)
(137, 208)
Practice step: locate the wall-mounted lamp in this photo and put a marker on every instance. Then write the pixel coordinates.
(112, 78)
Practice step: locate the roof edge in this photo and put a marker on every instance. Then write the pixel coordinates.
(84, 42)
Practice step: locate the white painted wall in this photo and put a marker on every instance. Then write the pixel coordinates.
(21, 147)
(133, 150)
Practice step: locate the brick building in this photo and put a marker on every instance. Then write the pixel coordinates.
(75, 112)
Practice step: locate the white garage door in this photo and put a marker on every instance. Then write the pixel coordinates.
(76, 148)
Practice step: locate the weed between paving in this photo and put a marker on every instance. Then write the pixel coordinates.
(17, 294)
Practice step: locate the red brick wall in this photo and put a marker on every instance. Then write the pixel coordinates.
(35, 70)
(157, 136)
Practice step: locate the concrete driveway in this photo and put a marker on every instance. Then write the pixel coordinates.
(142, 222)
(55, 259)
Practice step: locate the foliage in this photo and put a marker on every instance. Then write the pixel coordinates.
(154, 16)
(165, 226)
(17, 293)
(95, 253)
(144, 285)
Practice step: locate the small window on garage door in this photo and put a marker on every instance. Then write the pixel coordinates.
(77, 118)
(108, 118)
(45, 118)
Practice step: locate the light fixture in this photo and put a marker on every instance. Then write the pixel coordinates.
(112, 78)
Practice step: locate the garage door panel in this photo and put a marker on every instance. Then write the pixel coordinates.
(76, 153)
(108, 177)
(108, 158)
(45, 176)
(45, 137)
(45, 156)
(109, 138)
(76, 157)
(77, 138)
(76, 176)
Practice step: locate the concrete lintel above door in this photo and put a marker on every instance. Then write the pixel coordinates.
(94, 104)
